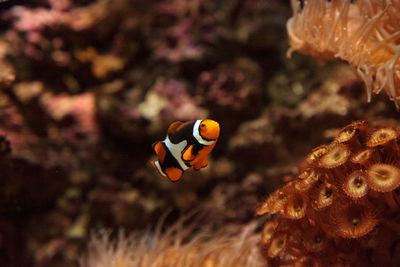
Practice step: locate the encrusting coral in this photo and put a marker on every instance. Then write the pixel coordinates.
(344, 206)
(364, 33)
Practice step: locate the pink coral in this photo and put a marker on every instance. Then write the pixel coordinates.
(81, 107)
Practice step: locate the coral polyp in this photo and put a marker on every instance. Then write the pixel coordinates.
(346, 194)
(354, 221)
(383, 177)
(335, 157)
(355, 185)
(381, 136)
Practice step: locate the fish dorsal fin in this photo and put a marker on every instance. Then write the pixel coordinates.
(174, 127)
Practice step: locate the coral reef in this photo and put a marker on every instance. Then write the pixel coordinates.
(88, 86)
(345, 196)
(364, 33)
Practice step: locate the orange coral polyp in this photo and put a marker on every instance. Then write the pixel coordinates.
(302, 186)
(346, 134)
(307, 261)
(381, 137)
(268, 231)
(304, 174)
(274, 203)
(312, 177)
(360, 125)
(355, 185)
(295, 207)
(277, 246)
(324, 197)
(316, 153)
(307, 179)
(362, 156)
(337, 156)
(354, 221)
(316, 241)
(383, 177)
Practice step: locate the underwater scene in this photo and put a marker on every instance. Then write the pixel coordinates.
(199, 133)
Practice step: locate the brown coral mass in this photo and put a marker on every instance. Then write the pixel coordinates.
(345, 195)
(365, 33)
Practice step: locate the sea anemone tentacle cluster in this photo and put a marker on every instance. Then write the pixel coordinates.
(346, 194)
(364, 33)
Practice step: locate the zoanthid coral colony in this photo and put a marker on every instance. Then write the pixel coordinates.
(365, 33)
(344, 206)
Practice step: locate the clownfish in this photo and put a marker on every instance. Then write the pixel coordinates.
(186, 145)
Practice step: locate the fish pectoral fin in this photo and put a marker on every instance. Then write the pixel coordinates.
(160, 151)
(201, 164)
(174, 127)
(157, 166)
(187, 154)
(174, 174)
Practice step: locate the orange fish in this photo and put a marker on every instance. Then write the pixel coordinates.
(187, 145)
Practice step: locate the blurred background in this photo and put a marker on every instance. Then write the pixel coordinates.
(87, 86)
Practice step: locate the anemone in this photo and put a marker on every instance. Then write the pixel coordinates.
(364, 33)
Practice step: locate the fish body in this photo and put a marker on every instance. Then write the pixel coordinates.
(186, 145)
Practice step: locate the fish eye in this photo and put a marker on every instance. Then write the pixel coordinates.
(202, 125)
